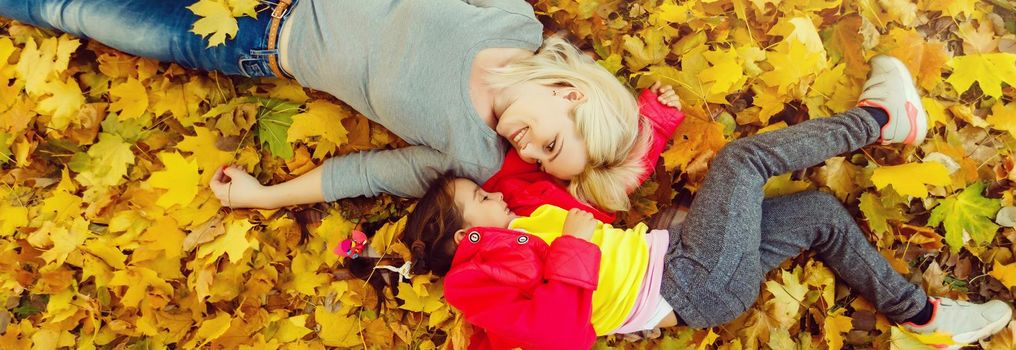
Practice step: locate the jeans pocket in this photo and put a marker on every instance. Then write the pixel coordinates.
(255, 67)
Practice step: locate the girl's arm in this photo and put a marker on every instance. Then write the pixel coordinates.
(555, 316)
(663, 120)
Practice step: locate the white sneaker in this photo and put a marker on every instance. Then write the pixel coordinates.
(891, 88)
(966, 322)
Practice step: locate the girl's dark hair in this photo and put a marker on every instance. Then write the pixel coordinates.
(430, 228)
(429, 234)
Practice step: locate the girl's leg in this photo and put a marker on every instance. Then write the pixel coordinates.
(818, 221)
(715, 254)
(158, 29)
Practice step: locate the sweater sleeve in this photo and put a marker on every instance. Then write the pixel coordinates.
(556, 315)
(662, 120)
(404, 172)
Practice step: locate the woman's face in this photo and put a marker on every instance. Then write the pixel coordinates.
(538, 124)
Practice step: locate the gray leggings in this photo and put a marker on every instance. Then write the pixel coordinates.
(719, 256)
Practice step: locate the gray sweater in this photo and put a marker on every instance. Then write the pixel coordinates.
(406, 65)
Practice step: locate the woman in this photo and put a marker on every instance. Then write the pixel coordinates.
(447, 76)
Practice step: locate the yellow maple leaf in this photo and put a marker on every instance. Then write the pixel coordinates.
(38, 63)
(1004, 273)
(180, 177)
(384, 239)
(902, 11)
(165, 235)
(1003, 117)
(292, 328)
(243, 8)
(800, 29)
(988, 70)
(950, 8)
(288, 89)
(323, 119)
(911, 179)
(420, 302)
(138, 280)
(11, 218)
(708, 340)
(216, 23)
(202, 147)
(834, 326)
(792, 63)
(305, 276)
(63, 104)
(645, 49)
(337, 329)
(6, 49)
(903, 339)
(936, 112)
(234, 243)
(66, 239)
(787, 298)
(783, 185)
(693, 137)
(726, 74)
(131, 99)
(105, 249)
(211, 329)
(109, 159)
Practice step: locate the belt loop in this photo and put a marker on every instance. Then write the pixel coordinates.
(281, 9)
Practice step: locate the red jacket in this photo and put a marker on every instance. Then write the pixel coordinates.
(520, 292)
(526, 188)
(517, 290)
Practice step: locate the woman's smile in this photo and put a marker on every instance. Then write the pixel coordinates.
(518, 136)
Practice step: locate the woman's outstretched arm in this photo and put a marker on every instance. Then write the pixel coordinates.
(404, 172)
(236, 188)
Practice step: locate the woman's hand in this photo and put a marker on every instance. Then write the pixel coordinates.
(235, 188)
(667, 95)
(580, 224)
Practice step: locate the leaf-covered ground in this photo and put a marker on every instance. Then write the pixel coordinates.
(110, 237)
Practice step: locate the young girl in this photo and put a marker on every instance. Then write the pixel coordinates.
(557, 281)
(461, 81)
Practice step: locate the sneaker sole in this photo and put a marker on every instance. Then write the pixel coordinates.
(920, 123)
(984, 332)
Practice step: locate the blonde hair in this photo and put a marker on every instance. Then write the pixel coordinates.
(608, 120)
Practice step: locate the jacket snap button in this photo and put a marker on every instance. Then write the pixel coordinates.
(474, 236)
(523, 239)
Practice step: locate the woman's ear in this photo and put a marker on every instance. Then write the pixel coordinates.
(459, 235)
(573, 94)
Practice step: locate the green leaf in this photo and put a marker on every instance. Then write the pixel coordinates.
(131, 130)
(274, 118)
(966, 214)
(5, 151)
(878, 213)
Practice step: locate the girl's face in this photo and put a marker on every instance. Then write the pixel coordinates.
(480, 208)
(538, 124)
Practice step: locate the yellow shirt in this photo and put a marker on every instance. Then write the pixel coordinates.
(623, 262)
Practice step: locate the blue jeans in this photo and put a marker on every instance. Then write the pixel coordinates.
(157, 29)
